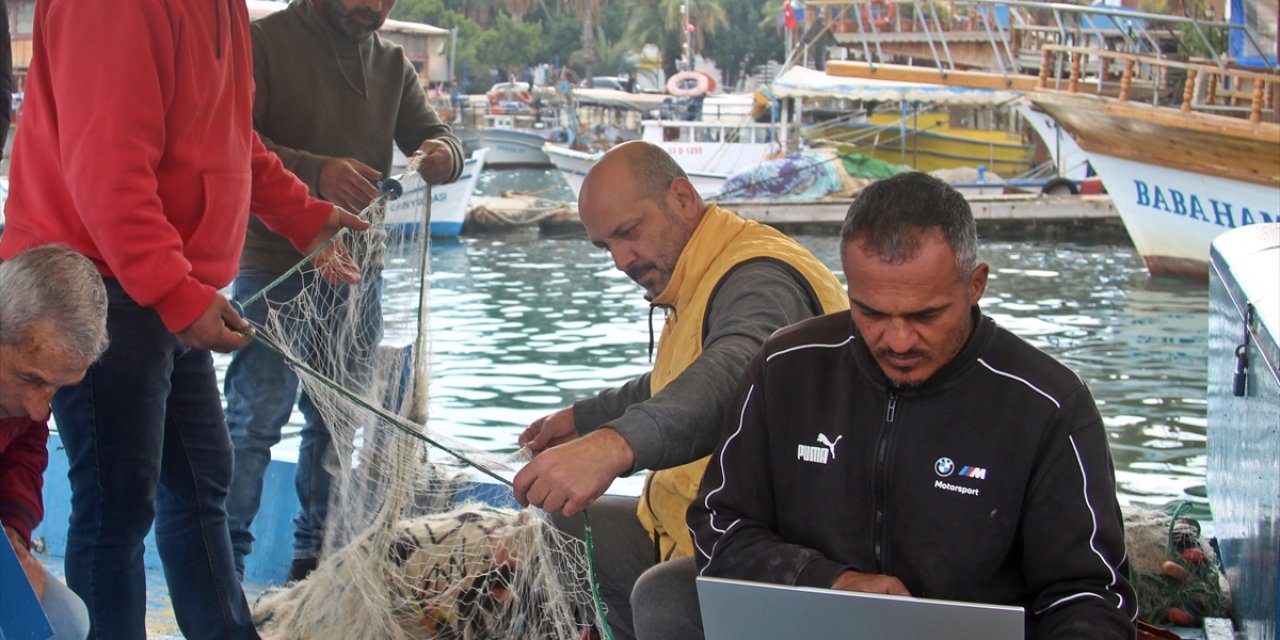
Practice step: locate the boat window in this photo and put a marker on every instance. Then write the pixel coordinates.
(708, 134)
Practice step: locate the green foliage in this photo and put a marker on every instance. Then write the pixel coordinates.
(509, 45)
(727, 31)
(744, 45)
(561, 34)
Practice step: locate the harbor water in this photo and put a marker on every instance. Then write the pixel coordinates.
(522, 323)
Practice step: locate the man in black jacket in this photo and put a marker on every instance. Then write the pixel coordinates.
(914, 447)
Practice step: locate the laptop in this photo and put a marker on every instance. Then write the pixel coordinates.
(740, 610)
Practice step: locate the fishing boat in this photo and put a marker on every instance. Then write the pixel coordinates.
(1179, 175)
(710, 152)
(711, 138)
(930, 127)
(408, 213)
(512, 142)
(1187, 148)
(927, 127)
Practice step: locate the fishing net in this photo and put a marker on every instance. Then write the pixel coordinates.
(1174, 570)
(413, 549)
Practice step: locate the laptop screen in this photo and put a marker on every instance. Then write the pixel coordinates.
(738, 610)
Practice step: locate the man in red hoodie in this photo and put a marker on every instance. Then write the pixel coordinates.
(53, 311)
(137, 149)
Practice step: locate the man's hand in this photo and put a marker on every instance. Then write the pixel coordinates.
(36, 574)
(219, 328)
(437, 161)
(345, 182)
(334, 262)
(870, 583)
(568, 478)
(549, 431)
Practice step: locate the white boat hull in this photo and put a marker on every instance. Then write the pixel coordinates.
(1172, 215)
(507, 147)
(449, 202)
(573, 166)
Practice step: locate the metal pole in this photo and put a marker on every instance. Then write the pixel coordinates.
(453, 55)
(867, 53)
(688, 36)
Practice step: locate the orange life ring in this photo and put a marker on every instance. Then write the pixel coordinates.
(884, 16)
(524, 96)
(676, 84)
(711, 82)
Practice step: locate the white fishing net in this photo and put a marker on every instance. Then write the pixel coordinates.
(410, 551)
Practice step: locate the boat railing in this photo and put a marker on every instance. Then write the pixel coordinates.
(1007, 36)
(1207, 87)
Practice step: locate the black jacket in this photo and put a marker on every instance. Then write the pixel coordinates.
(990, 482)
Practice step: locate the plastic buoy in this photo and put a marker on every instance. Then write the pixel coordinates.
(391, 188)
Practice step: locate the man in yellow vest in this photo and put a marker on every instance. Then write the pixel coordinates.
(725, 284)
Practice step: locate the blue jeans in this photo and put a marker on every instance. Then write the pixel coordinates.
(146, 442)
(261, 390)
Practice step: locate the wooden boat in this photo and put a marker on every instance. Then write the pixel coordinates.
(1179, 175)
(1183, 161)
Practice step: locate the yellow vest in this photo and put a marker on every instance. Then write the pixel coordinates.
(722, 241)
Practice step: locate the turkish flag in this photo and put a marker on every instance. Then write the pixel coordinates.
(788, 17)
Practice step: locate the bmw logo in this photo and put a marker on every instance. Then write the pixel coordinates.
(944, 467)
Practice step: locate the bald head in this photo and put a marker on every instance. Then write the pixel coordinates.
(642, 169)
(639, 205)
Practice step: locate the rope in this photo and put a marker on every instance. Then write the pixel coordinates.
(595, 581)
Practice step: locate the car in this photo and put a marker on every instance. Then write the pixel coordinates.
(607, 82)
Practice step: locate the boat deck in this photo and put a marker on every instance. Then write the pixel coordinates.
(161, 623)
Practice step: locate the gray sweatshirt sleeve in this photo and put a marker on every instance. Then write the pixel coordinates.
(592, 413)
(419, 122)
(681, 423)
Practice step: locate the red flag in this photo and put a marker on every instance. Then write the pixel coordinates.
(788, 16)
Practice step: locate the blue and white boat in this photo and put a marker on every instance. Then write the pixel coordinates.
(509, 147)
(448, 210)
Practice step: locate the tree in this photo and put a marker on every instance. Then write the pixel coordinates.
(753, 38)
(588, 13)
(509, 45)
(662, 24)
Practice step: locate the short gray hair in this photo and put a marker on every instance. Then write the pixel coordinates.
(52, 282)
(888, 215)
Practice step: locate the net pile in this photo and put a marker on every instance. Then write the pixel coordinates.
(1174, 570)
(409, 552)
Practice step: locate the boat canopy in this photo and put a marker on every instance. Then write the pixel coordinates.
(618, 99)
(800, 82)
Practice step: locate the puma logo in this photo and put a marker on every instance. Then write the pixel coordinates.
(810, 453)
(830, 444)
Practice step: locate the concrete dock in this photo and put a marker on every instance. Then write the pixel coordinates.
(1019, 216)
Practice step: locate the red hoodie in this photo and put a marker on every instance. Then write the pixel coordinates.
(23, 458)
(137, 149)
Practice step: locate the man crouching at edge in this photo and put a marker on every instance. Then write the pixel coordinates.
(921, 449)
